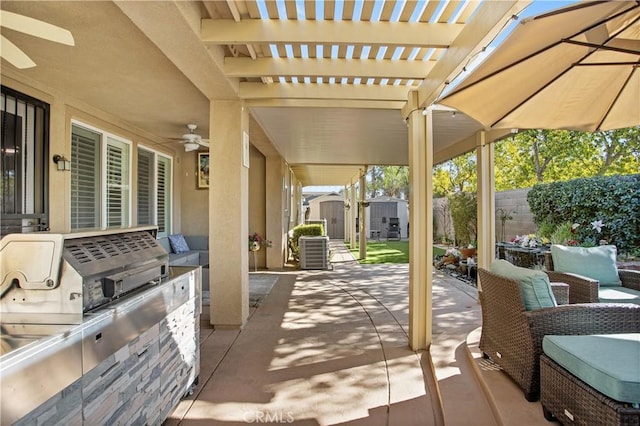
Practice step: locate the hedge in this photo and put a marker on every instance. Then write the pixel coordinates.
(310, 230)
(614, 200)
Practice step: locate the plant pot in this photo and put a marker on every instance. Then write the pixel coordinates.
(467, 252)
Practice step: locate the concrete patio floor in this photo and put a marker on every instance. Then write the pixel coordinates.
(331, 348)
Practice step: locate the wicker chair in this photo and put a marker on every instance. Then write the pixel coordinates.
(512, 336)
(584, 289)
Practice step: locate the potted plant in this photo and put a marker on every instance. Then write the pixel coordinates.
(468, 251)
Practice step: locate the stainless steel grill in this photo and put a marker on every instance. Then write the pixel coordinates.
(56, 279)
(69, 303)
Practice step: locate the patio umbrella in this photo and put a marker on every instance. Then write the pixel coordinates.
(576, 68)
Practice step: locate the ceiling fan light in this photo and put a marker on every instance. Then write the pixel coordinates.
(191, 137)
(191, 146)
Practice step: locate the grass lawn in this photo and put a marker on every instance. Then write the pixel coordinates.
(389, 252)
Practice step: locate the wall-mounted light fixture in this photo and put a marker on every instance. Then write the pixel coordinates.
(61, 162)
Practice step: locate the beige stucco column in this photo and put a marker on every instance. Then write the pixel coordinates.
(228, 214)
(353, 213)
(421, 228)
(362, 222)
(276, 212)
(347, 216)
(486, 201)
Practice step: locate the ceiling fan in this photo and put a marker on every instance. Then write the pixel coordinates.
(12, 53)
(193, 141)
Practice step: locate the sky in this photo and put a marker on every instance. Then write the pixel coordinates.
(536, 7)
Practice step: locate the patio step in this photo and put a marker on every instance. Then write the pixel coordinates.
(506, 399)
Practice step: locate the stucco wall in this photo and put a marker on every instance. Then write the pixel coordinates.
(63, 110)
(195, 202)
(257, 202)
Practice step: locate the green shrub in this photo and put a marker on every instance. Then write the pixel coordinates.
(546, 229)
(614, 200)
(310, 230)
(464, 214)
(561, 234)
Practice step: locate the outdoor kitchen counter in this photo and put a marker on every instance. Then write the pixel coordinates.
(123, 361)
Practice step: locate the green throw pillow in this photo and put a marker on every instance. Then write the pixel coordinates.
(534, 284)
(598, 263)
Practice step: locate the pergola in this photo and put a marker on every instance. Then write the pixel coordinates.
(330, 87)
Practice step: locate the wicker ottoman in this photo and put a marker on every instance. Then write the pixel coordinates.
(571, 401)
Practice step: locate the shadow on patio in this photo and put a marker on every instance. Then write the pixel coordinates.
(331, 347)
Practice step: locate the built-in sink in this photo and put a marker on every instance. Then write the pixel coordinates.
(37, 361)
(16, 336)
(11, 343)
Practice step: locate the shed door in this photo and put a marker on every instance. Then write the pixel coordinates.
(333, 211)
(380, 212)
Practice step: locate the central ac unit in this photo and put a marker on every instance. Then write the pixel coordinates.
(314, 252)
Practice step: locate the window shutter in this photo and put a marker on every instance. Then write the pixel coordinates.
(145, 187)
(115, 184)
(162, 196)
(85, 179)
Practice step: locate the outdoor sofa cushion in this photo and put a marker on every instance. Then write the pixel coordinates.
(598, 263)
(618, 295)
(178, 244)
(606, 362)
(534, 284)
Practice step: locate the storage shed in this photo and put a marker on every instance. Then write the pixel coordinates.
(381, 214)
(329, 207)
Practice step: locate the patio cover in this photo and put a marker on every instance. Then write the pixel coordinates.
(576, 68)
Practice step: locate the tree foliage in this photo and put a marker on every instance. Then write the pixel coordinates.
(523, 160)
(390, 181)
(464, 214)
(538, 156)
(456, 175)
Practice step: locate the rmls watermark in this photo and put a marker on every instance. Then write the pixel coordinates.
(278, 416)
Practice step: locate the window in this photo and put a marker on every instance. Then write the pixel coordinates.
(100, 179)
(24, 169)
(154, 190)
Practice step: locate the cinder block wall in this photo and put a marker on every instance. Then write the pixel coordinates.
(509, 201)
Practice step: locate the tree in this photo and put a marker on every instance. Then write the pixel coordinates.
(396, 181)
(390, 181)
(456, 175)
(538, 156)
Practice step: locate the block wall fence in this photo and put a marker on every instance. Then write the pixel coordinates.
(513, 203)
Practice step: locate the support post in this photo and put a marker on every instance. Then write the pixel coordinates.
(363, 215)
(486, 202)
(229, 226)
(353, 215)
(421, 229)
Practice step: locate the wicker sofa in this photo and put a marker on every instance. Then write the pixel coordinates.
(512, 336)
(585, 289)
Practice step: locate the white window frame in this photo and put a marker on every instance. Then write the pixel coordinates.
(156, 155)
(105, 136)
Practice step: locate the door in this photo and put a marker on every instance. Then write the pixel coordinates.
(333, 211)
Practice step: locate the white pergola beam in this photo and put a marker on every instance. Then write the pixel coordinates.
(323, 91)
(258, 31)
(325, 103)
(353, 68)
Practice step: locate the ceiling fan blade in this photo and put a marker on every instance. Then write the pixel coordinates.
(14, 55)
(36, 28)
(204, 142)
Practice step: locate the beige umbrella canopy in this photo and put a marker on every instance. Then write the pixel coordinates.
(576, 68)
